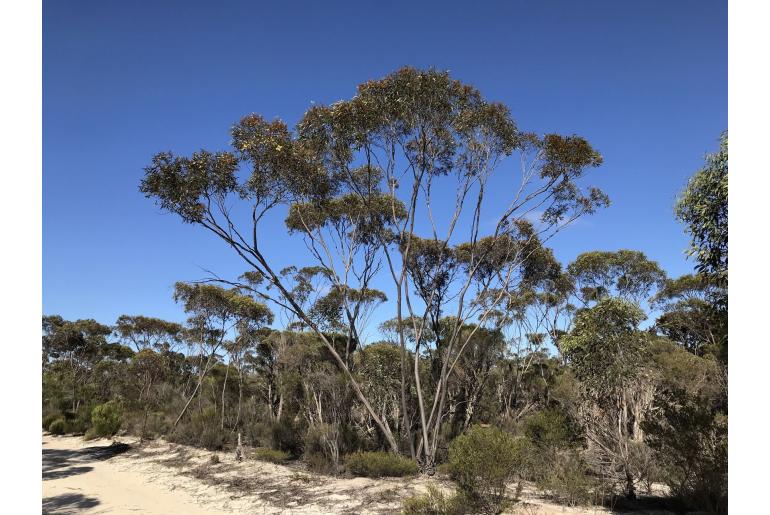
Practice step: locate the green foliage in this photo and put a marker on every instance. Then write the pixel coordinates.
(690, 438)
(58, 426)
(202, 429)
(434, 502)
(566, 478)
(221, 303)
(147, 332)
(625, 273)
(379, 464)
(702, 207)
(605, 343)
(79, 421)
(549, 428)
(271, 455)
(107, 418)
(287, 436)
(47, 419)
(482, 461)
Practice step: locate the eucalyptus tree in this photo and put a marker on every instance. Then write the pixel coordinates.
(214, 312)
(76, 346)
(688, 317)
(607, 352)
(359, 179)
(148, 332)
(702, 207)
(626, 274)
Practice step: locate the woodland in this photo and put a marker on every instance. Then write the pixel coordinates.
(490, 362)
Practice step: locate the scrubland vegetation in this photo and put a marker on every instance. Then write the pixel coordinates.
(496, 365)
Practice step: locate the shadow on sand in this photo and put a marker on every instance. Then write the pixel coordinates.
(66, 504)
(59, 463)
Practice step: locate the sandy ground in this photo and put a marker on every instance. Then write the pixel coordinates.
(162, 478)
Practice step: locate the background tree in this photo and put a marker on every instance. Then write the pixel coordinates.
(147, 332)
(214, 312)
(606, 351)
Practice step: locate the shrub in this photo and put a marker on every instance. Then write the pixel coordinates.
(271, 455)
(549, 428)
(90, 434)
(691, 442)
(201, 430)
(322, 448)
(434, 502)
(106, 419)
(286, 436)
(379, 464)
(566, 479)
(58, 426)
(50, 418)
(77, 422)
(482, 461)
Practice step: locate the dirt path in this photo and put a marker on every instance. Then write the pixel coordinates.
(162, 478)
(78, 478)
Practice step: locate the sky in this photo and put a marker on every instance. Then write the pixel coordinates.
(644, 81)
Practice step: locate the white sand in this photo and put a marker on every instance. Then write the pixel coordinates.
(81, 485)
(163, 478)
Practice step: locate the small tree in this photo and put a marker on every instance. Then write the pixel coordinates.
(606, 351)
(482, 461)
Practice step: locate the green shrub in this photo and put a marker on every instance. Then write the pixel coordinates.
(106, 418)
(271, 455)
(322, 448)
(434, 502)
(58, 426)
(482, 461)
(90, 434)
(565, 478)
(287, 436)
(379, 464)
(77, 422)
(549, 428)
(202, 429)
(50, 418)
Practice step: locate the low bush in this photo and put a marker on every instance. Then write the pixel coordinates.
(287, 436)
(271, 455)
(482, 461)
(379, 464)
(78, 422)
(47, 419)
(549, 428)
(106, 419)
(322, 448)
(58, 426)
(202, 429)
(565, 478)
(434, 502)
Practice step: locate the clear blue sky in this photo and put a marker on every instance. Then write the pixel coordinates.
(644, 81)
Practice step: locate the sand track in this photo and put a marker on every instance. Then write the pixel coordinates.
(162, 478)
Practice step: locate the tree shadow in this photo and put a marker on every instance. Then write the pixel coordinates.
(66, 504)
(59, 463)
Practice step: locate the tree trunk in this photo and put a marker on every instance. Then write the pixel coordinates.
(195, 391)
(224, 388)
